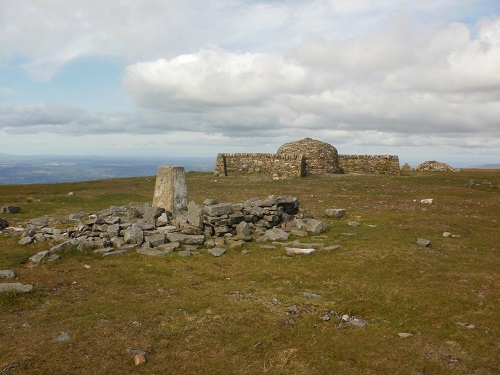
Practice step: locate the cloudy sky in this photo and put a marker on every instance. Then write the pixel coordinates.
(419, 79)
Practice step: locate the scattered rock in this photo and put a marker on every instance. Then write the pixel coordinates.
(331, 248)
(63, 336)
(423, 242)
(435, 166)
(37, 258)
(217, 251)
(353, 321)
(446, 234)
(311, 295)
(15, 287)
(134, 352)
(404, 335)
(335, 212)
(185, 253)
(25, 240)
(7, 274)
(87, 266)
(10, 210)
(466, 325)
(276, 234)
(290, 251)
(353, 223)
(426, 201)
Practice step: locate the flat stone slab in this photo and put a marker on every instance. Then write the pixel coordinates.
(7, 274)
(187, 239)
(152, 252)
(331, 248)
(15, 287)
(217, 251)
(290, 251)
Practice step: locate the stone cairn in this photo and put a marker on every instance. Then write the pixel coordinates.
(155, 231)
(158, 231)
(436, 166)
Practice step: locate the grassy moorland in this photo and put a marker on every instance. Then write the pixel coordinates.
(232, 315)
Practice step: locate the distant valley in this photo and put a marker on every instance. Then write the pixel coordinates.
(16, 169)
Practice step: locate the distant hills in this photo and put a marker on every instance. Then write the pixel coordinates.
(18, 169)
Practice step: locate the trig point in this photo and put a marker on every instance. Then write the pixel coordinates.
(171, 190)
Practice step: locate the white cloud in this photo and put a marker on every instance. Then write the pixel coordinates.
(386, 73)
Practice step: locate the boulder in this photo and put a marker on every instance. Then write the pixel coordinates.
(336, 213)
(423, 242)
(10, 209)
(276, 234)
(7, 274)
(217, 251)
(134, 235)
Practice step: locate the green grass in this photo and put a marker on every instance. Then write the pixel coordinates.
(228, 315)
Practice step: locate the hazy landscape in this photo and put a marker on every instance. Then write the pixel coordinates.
(43, 169)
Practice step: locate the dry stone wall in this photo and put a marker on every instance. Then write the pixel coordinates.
(370, 164)
(280, 166)
(303, 158)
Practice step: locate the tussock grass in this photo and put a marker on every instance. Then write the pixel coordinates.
(231, 315)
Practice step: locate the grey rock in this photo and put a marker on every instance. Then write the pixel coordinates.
(134, 235)
(115, 252)
(151, 252)
(7, 274)
(336, 213)
(185, 253)
(131, 351)
(315, 226)
(164, 219)
(290, 251)
(152, 213)
(53, 257)
(77, 216)
(217, 251)
(311, 295)
(63, 336)
(37, 258)
(25, 240)
(210, 202)
(60, 247)
(188, 239)
(154, 240)
(353, 223)
(446, 234)
(39, 222)
(15, 287)
(331, 248)
(169, 247)
(10, 209)
(353, 321)
(195, 214)
(218, 209)
(423, 242)
(276, 234)
(244, 229)
(113, 230)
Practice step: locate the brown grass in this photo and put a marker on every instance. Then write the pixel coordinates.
(230, 315)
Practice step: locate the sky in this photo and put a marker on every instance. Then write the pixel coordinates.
(417, 79)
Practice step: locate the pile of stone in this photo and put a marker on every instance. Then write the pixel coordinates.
(435, 166)
(156, 232)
